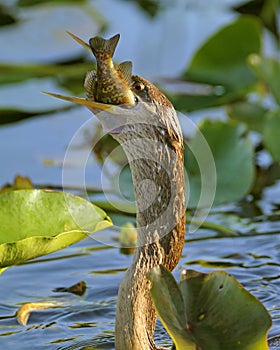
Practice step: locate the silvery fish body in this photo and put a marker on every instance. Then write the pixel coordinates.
(110, 83)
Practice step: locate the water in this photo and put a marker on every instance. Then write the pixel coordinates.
(252, 255)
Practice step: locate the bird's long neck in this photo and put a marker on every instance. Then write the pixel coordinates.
(156, 162)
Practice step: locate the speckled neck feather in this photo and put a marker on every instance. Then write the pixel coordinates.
(155, 155)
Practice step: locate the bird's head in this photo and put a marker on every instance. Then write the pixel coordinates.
(151, 109)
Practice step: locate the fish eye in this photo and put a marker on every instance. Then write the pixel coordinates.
(138, 86)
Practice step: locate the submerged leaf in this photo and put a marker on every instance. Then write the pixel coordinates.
(37, 222)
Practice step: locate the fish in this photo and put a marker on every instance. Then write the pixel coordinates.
(110, 83)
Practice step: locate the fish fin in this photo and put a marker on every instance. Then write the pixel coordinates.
(80, 41)
(90, 81)
(125, 68)
(100, 45)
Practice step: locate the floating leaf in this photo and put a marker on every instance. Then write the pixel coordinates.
(170, 307)
(209, 311)
(222, 59)
(252, 114)
(37, 222)
(271, 134)
(212, 319)
(221, 62)
(268, 70)
(266, 10)
(233, 156)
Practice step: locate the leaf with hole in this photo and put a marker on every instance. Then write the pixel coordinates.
(209, 311)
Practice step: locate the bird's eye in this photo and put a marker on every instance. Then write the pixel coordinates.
(138, 86)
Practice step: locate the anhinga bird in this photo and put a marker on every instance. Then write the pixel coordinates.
(148, 130)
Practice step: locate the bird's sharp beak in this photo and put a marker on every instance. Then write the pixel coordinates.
(80, 41)
(92, 105)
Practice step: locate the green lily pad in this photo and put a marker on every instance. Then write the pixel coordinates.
(169, 304)
(268, 70)
(266, 11)
(209, 311)
(271, 134)
(233, 155)
(221, 312)
(38, 222)
(252, 114)
(222, 60)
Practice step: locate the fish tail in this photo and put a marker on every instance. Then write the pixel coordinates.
(106, 47)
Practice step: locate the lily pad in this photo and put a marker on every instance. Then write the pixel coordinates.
(222, 60)
(209, 300)
(169, 304)
(38, 222)
(268, 70)
(266, 11)
(233, 155)
(209, 311)
(271, 134)
(252, 114)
